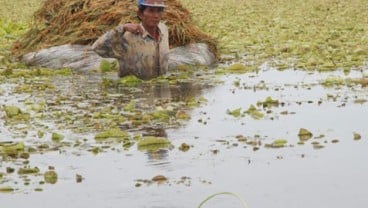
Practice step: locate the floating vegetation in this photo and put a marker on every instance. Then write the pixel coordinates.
(130, 81)
(14, 113)
(78, 178)
(317, 145)
(333, 81)
(268, 103)
(153, 143)
(236, 113)
(163, 115)
(107, 66)
(6, 189)
(56, 137)
(50, 177)
(27, 171)
(159, 179)
(112, 133)
(184, 147)
(310, 35)
(357, 136)
(304, 134)
(196, 102)
(241, 68)
(254, 112)
(182, 115)
(277, 143)
(12, 150)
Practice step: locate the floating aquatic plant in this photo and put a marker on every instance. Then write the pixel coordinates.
(50, 177)
(151, 142)
(357, 136)
(304, 134)
(254, 112)
(112, 133)
(184, 147)
(56, 137)
(12, 111)
(277, 143)
(130, 81)
(236, 113)
(310, 34)
(12, 149)
(107, 66)
(26, 171)
(268, 103)
(241, 68)
(6, 189)
(333, 81)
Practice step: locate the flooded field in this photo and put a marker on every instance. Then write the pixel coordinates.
(253, 126)
(241, 134)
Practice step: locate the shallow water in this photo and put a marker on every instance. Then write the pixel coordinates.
(294, 176)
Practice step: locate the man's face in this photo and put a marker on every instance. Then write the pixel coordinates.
(151, 16)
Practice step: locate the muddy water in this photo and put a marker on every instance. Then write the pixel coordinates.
(293, 176)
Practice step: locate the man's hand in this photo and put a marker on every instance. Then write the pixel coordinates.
(133, 28)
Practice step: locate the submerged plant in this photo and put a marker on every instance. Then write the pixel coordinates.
(244, 205)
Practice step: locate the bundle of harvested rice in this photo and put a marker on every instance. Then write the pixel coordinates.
(83, 21)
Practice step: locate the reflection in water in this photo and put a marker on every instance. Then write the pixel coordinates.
(181, 91)
(158, 157)
(154, 131)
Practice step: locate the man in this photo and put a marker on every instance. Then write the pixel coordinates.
(141, 49)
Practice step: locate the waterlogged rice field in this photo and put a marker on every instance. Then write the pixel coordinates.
(264, 124)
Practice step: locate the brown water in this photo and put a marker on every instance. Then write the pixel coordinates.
(294, 176)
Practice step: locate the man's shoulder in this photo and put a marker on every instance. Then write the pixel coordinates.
(162, 26)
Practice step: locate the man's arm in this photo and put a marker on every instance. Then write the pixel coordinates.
(113, 44)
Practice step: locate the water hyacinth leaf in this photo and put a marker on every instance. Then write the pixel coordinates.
(130, 107)
(78, 178)
(304, 134)
(12, 149)
(12, 111)
(357, 136)
(254, 112)
(7, 189)
(40, 134)
(130, 81)
(56, 137)
(128, 143)
(184, 147)
(236, 113)
(50, 177)
(279, 143)
(159, 179)
(112, 133)
(182, 115)
(162, 115)
(241, 68)
(333, 81)
(269, 102)
(107, 66)
(148, 141)
(26, 171)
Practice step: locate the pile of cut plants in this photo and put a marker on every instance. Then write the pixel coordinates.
(83, 21)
